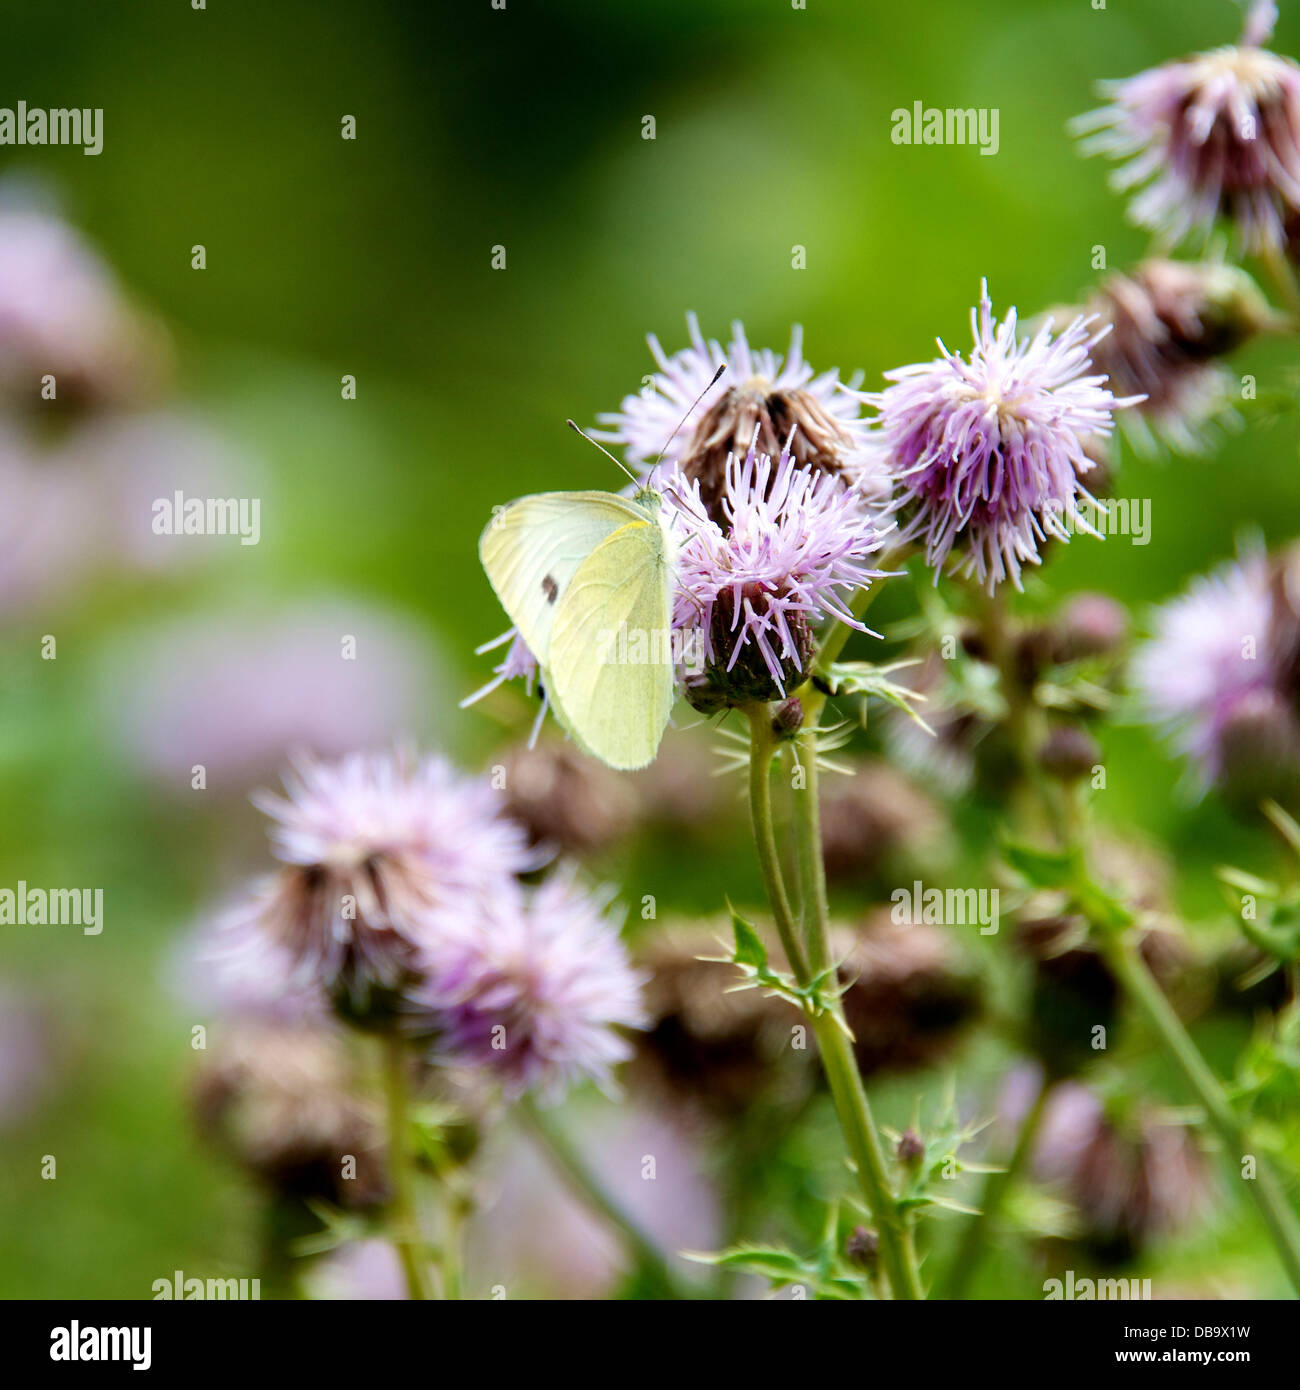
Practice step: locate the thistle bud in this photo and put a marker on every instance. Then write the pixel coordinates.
(863, 1248)
(1170, 321)
(1090, 625)
(911, 1151)
(1259, 748)
(1070, 752)
(788, 719)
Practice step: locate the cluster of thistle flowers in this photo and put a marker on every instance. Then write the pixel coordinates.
(781, 496)
(977, 459)
(1209, 140)
(402, 904)
(775, 501)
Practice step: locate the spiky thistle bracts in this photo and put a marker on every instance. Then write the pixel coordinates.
(792, 547)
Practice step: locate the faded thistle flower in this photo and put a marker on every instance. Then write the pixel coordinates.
(62, 314)
(763, 402)
(707, 1048)
(529, 986)
(1213, 135)
(792, 546)
(373, 844)
(282, 1100)
(988, 451)
(1132, 1175)
(1215, 675)
(566, 800)
(908, 998)
(875, 820)
(1170, 321)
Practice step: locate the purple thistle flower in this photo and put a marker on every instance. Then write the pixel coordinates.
(793, 544)
(1216, 134)
(376, 843)
(1210, 662)
(530, 987)
(987, 452)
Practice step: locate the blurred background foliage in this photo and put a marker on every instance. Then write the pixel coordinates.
(523, 128)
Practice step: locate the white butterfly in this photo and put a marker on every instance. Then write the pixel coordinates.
(574, 571)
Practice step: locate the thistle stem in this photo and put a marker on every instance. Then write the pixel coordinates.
(1283, 276)
(851, 1106)
(761, 745)
(1113, 924)
(1141, 987)
(402, 1213)
(569, 1163)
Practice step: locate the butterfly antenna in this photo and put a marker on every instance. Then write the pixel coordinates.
(687, 416)
(616, 462)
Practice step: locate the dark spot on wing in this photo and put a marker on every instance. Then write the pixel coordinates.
(550, 588)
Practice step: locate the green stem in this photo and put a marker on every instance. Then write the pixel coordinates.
(1113, 924)
(1134, 974)
(851, 1106)
(808, 835)
(761, 745)
(1282, 274)
(971, 1249)
(402, 1213)
(897, 1254)
(573, 1168)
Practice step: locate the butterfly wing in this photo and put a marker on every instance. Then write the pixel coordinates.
(614, 696)
(532, 549)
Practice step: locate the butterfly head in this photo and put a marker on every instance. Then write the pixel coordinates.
(649, 501)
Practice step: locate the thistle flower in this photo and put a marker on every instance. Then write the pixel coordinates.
(706, 1048)
(876, 818)
(763, 401)
(988, 452)
(1210, 665)
(566, 800)
(62, 314)
(530, 987)
(1213, 135)
(1133, 1178)
(281, 1100)
(1170, 321)
(908, 997)
(793, 545)
(374, 843)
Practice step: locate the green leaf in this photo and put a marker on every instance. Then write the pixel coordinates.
(1043, 868)
(864, 678)
(750, 950)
